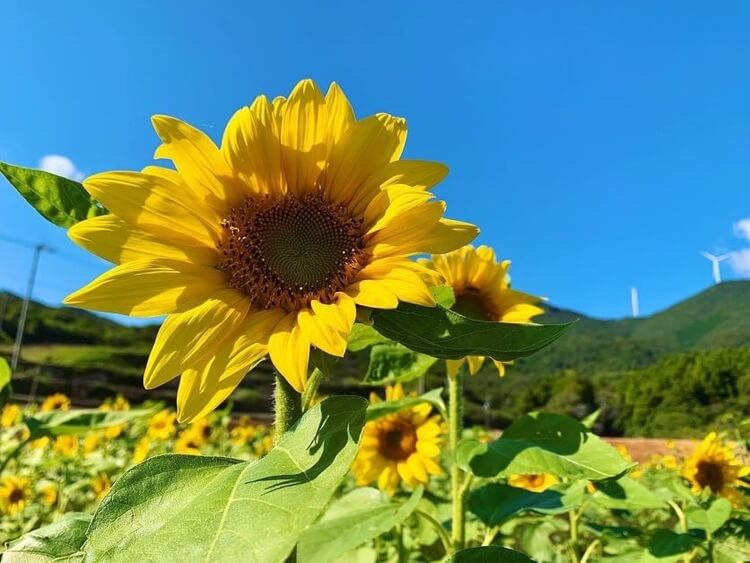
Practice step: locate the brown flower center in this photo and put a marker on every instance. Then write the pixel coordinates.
(710, 474)
(16, 496)
(470, 303)
(285, 253)
(397, 440)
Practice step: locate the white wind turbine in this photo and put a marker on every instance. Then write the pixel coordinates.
(715, 260)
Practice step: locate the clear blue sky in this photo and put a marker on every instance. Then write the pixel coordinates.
(598, 145)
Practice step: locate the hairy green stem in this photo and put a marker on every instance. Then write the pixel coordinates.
(311, 391)
(590, 550)
(444, 538)
(455, 428)
(573, 536)
(287, 405)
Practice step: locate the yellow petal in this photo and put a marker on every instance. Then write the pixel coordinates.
(115, 240)
(372, 293)
(406, 284)
(304, 129)
(145, 288)
(475, 364)
(429, 449)
(391, 202)
(289, 350)
(340, 115)
(452, 366)
(328, 326)
(156, 205)
(366, 146)
(416, 467)
(251, 146)
(185, 339)
(402, 236)
(198, 160)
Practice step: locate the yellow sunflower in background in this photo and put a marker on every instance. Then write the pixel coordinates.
(56, 402)
(189, 442)
(535, 482)
(482, 289)
(10, 416)
(141, 450)
(48, 493)
(266, 244)
(161, 426)
(120, 404)
(14, 494)
(101, 485)
(713, 465)
(404, 446)
(66, 445)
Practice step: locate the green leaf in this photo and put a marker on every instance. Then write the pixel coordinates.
(444, 296)
(496, 502)
(391, 363)
(59, 542)
(192, 508)
(62, 201)
(5, 387)
(543, 443)
(363, 336)
(666, 543)
(442, 333)
(710, 519)
(626, 493)
(78, 421)
(384, 408)
(352, 520)
(489, 554)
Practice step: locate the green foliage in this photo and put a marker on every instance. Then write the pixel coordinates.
(206, 508)
(489, 554)
(626, 494)
(77, 421)
(61, 201)
(383, 408)
(363, 336)
(352, 520)
(5, 388)
(496, 502)
(442, 333)
(543, 443)
(391, 363)
(709, 519)
(60, 542)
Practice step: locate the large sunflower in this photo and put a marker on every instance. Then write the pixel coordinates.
(14, 494)
(713, 465)
(403, 446)
(482, 289)
(267, 244)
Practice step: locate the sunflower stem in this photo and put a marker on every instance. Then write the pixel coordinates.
(311, 391)
(455, 429)
(287, 405)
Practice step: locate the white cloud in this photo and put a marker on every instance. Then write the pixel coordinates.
(742, 228)
(739, 260)
(63, 166)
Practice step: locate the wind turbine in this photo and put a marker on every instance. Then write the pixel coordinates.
(715, 260)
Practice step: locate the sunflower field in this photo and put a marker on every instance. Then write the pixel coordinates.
(299, 238)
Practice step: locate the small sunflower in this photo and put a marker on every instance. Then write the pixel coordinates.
(14, 494)
(120, 404)
(535, 482)
(101, 485)
(243, 432)
(91, 442)
(482, 289)
(189, 442)
(267, 244)
(403, 446)
(713, 465)
(66, 445)
(162, 425)
(10, 416)
(48, 494)
(264, 445)
(56, 402)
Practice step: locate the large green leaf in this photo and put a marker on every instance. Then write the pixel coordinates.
(62, 201)
(392, 363)
(442, 333)
(191, 508)
(709, 519)
(666, 543)
(362, 336)
(489, 554)
(626, 493)
(496, 502)
(78, 421)
(5, 388)
(352, 520)
(543, 443)
(60, 542)
(384, 408)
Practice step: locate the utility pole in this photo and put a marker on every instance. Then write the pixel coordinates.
(38, 249)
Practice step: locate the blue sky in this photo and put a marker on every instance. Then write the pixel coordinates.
(599, 145)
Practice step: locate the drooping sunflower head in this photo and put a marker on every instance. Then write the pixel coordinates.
(535, 482)
(482, 289)
(56, 402)
(266, 244)
(713, 465)
(400, 447)
(15, 493)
